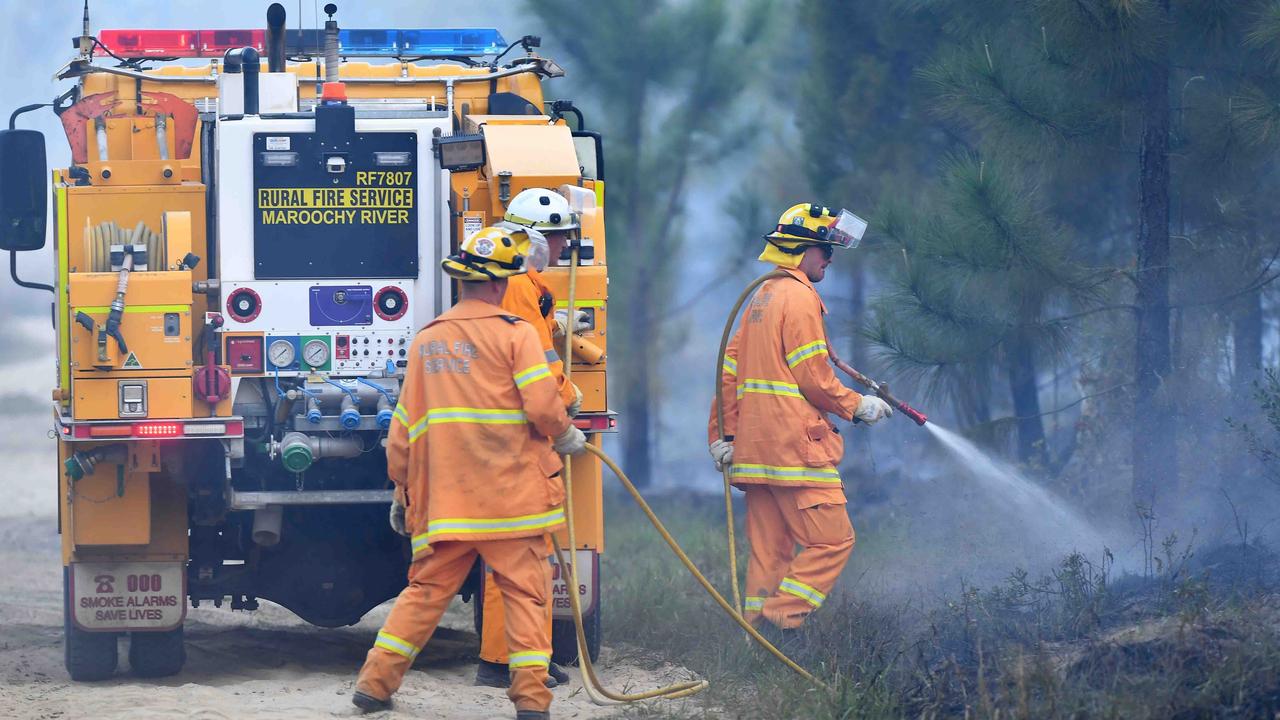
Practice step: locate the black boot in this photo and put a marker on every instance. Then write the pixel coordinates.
(492, 674)
(368, 703)
(558, 674)
(533, 715)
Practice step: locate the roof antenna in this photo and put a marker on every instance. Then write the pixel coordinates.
(86, 40)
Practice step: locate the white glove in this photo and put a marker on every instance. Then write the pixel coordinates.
(579, 326)
(575, 407)
(397, 518)
(872, 410)
(570, 442)
(721, 453)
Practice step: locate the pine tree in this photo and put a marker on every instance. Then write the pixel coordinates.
(1147, 117)
(982, 269)
(865, 127)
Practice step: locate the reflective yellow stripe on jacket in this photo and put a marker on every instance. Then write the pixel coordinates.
(769, 387)
(415, 428)
(478, 416)
(794, 474)
(806, 351)
(532, 374)
(730, 366)
(474, 526)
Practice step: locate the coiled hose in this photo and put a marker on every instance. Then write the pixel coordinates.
(595, 689)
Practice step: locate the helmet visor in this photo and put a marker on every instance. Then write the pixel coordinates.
(535, 251)
(847, 230)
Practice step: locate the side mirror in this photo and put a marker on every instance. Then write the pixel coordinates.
(24, 182)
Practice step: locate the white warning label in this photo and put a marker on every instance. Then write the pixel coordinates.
(585, 566)
(277, 143)
(471, 224)
(129, 596)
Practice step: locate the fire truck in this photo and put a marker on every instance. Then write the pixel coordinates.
(246, 240)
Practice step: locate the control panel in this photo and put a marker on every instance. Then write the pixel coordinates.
(370, 350)
(340, 353)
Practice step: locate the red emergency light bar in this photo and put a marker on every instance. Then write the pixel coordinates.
(151, 43)
(132, 44)
(155, 430)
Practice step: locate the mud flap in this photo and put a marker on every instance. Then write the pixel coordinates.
(127, 596)
(588, 575)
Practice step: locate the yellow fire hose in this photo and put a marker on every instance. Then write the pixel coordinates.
(591, 682)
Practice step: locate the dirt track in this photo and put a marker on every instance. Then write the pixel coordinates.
(266, 664)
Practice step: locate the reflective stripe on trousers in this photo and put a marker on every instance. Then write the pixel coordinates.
(791, 586)
(528, 658)
(387, 641)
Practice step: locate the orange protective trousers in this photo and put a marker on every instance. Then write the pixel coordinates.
(523, 576)
(493, 624)
(783, 586)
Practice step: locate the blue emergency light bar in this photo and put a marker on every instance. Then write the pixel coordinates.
(426, 43)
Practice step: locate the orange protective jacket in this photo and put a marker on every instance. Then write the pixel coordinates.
(526, 297)
(778, 388)
(468, 447)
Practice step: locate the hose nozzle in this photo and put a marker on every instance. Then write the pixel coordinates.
(882, 390)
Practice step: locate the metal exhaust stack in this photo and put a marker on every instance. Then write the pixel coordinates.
(275, 38)
(330, 44)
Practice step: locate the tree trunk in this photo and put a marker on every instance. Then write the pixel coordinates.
(1026, 402)
(638, 396)
(1246, 335)
(857, 306)
(1155, 448)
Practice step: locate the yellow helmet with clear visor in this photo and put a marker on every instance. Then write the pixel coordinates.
(537, 254)
(806, 224)
(492, 253)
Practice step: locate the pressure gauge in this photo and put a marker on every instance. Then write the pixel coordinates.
(281, 353)
(315, 353)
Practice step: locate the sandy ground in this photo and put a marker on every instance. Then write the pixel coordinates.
(266, 664)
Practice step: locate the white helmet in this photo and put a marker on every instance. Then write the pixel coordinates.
(542, 210)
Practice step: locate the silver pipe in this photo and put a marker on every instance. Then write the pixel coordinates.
(331, 60)
(101, 126)
(162, 135)
(438, 231)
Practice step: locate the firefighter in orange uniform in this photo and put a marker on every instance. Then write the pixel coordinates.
(546, 218)
(475, 475)
(781, 448)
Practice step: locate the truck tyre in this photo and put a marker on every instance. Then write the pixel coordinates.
(564, 638)
(88, 656)
(157, 654)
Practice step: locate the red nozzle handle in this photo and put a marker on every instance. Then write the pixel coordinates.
(916, 416)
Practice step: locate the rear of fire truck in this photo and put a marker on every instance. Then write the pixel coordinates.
(247, 239)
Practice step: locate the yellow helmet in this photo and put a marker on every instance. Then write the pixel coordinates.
(808, 224)
(492, 253)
